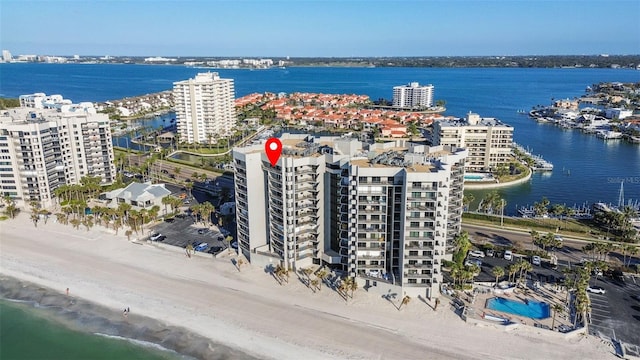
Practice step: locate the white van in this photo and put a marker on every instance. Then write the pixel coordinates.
(508, 255)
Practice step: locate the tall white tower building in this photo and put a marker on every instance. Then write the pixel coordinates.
(6, 56)
(205, 108)
(48, 144)
(381, 213)
(413, 95)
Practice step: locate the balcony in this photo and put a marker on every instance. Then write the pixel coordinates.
(417, 266)
(417, 276)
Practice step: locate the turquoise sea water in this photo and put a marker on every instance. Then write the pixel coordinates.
(587, 169)
(31, 333)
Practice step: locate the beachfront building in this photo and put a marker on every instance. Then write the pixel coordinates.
(43, 147)
(205, 108)
(413, 95)
(138, 195)
(488, 140)
(6, 56)
(382, 213)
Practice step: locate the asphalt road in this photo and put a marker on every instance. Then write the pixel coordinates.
(570, 251)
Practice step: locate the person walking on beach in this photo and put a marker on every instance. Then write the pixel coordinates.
(67, 291)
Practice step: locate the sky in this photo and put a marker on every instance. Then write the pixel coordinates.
(320, 28)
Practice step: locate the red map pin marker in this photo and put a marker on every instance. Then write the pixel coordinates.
(273, 148)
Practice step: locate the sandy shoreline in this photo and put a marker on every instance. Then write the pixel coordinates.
(79, 314)
(247, 310)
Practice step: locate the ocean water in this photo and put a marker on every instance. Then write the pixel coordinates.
(31, 333)
(587, 169)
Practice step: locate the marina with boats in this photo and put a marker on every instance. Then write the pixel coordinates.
(536, 162)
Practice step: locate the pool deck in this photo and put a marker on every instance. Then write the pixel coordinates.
(476, 305)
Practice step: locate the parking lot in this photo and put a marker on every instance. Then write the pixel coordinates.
(183, 231)
(543, 272)
(616, 314)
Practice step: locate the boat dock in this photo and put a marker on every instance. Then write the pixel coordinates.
(539, 164)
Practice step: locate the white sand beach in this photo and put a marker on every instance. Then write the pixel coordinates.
(248, 310)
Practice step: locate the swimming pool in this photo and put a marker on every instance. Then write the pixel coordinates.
(530, 309)
(473, 177)
(478, 177)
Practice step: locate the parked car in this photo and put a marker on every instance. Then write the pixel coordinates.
(596, 290)
(202, 231)
(234, 244)
(161, 238)
(508, 255)
(214, 249)
(169, 220)
(202, 247)
(471, 262)
(155, 237)
(476, 253)
(490, 253)
(535, 260)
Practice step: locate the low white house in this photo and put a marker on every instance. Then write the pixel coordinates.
(138, 195)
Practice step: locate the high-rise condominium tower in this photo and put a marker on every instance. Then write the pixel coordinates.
(205, 108)
(49, 143)
(413, 95)
(382, 213)
(488, 140)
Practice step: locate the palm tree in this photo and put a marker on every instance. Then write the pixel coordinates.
(556, 308)
(512, 270)
(166, 201)
(133, 217)
(315, 284)
(632, 250)
(88, 222)
(128, 233)
(189, 249)
(353, 285)
(62, 218)
(279, 273)
(467, 199)
(10, 209)
(75, 223)
(343, 289)
(206, 209)
(437, 303)
(307, 272)
(498, 272)
(405, 300)
(240, 262)
(322, 274)
(525, 267)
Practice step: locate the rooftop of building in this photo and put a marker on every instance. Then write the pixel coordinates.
(473, 119)
(25, 115)
(398, 153)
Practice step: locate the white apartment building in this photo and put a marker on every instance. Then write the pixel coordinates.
(205, 108)
(42, 149)
(413, 95)
(6, 56)
(488, 140)
(381, 213)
